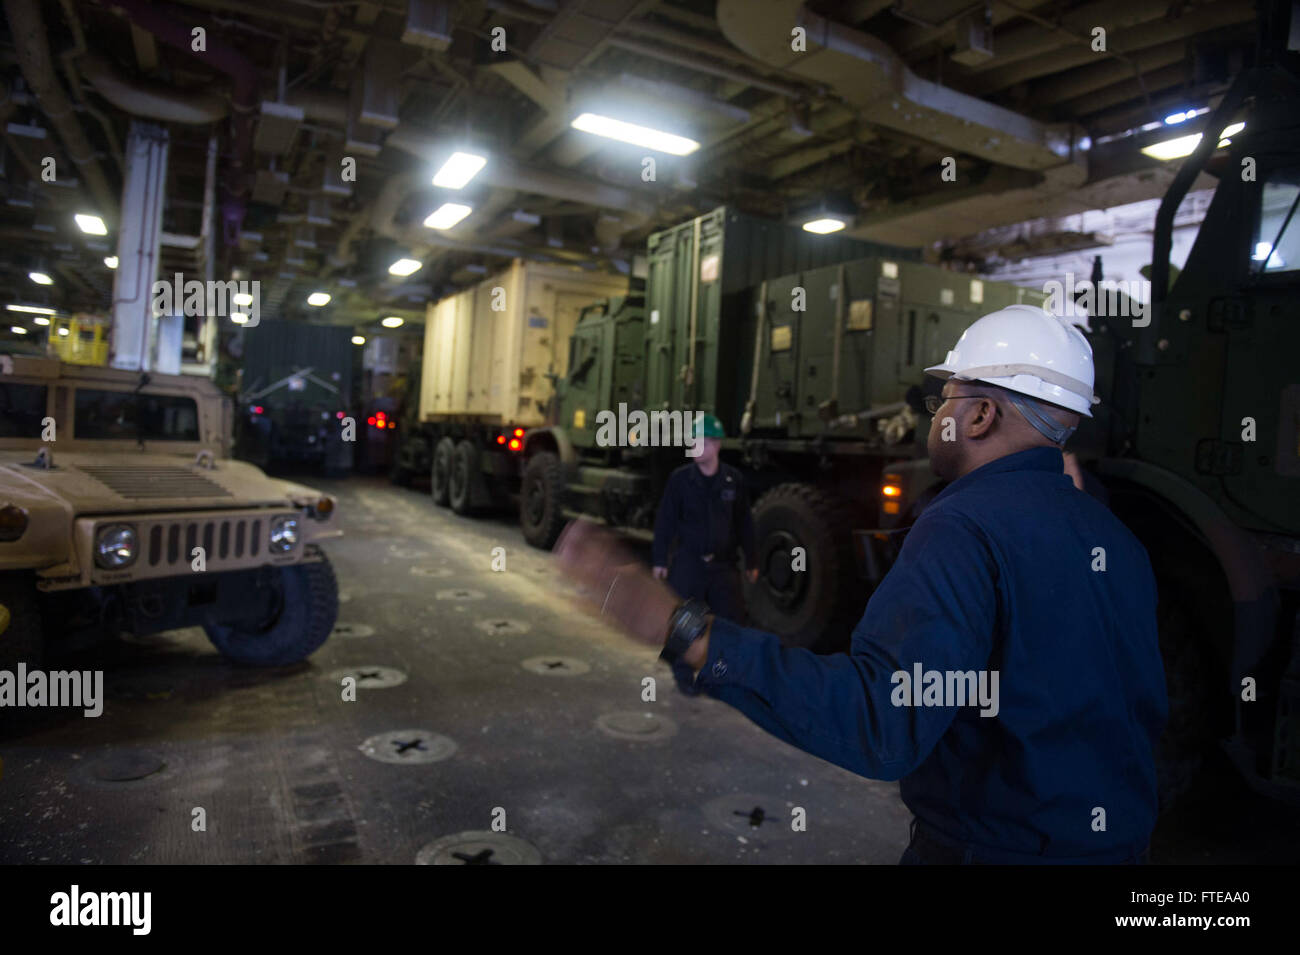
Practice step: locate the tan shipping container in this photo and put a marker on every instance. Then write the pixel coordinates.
(492, 366)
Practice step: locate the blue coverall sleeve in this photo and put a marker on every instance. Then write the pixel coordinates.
(665, 524)
(937, 607)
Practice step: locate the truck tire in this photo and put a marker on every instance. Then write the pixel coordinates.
(464, 474)
(22, 638)
(541, 500)
(440, 474)
(1190, 682)
(808, 607)
(307, 612)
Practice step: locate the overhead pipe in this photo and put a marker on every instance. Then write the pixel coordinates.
(153, 18)
(32, 48)
(875, 80)
(151, 100)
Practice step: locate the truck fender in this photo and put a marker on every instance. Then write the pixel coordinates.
(556, 440)
(1251, 581)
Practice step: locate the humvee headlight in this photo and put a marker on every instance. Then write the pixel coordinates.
(13, 522)
(284, 534)
(116, 546)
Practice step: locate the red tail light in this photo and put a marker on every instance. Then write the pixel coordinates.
(370, 421)
(257, 409)
(515, 444)
(519, 432)
(501, 439)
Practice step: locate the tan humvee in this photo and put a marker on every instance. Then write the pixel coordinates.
(121, 510)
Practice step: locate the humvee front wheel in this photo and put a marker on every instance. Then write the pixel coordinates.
(301, 619)
(21, 636)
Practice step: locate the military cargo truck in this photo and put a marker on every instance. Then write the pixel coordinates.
(806, 347)
(491, 356)
(122, 511)
(295, 388)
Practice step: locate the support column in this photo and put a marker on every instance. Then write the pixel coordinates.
(138, 240)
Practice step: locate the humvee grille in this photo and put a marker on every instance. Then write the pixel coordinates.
(220, 539)
(155, 482)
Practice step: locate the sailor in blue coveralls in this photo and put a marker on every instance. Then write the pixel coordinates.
(705, 511)
(1010, 572)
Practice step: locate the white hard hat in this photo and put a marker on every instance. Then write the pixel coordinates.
(1025, 349)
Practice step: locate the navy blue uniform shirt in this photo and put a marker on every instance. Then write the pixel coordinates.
(705, 515)
(997, 574)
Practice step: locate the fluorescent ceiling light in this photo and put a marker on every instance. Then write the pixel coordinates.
(40, 278)
(823, 225)
(91, 225)
(1173, 118)
(405, 267)
(358, 339)
(447, 215)
(111, 261)
(644, 136)
(1185, 145)
(31, 309)
(17, 329)
(41, 320)
(242, 298)
(392, 321)
(318, 299)
(239, 318)
(63, 331)
(459, 170)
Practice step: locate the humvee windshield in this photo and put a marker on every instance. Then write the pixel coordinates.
(22, 407)
(124, 414)
(1277, 240)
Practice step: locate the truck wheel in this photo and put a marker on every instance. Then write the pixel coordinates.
(22, 637)
(1190, 681)
(541, 500)
(802, 606)
(440, 476)
(464, 473)
(307, 609)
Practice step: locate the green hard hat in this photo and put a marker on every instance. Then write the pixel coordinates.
(710, 426)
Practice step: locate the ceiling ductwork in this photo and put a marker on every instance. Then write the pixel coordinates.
(872, 78)
(33, 49)
(149, 100)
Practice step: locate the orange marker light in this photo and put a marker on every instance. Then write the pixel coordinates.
(392, 424)
(891, 490)
(891, 507)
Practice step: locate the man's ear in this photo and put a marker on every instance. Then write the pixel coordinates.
(981, 419)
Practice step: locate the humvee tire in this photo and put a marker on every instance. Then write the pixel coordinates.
(541, 500)
(804, 607)
(21, 636)
(307, 614)
(440, 476)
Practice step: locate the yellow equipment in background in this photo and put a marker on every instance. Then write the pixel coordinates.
(81, 339)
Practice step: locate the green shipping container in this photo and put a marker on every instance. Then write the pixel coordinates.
(703, 280)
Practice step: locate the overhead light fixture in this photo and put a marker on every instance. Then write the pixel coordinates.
(239, 318)
(318, 299)
(358, 339)
(17, 329)
(459, 170)
(242, 298)
(392, 321)
(405, 267)
(111, 261)
(1174, 118)
(447, 215)
(40, 278)
(1182, 146)
(91, 225)
(41, 320)
(824, 224)
(63, 331)
(31, 309)
(643, 136)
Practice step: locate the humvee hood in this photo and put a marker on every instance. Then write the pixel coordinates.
(125, 483)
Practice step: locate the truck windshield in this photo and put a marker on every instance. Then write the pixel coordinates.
(130, 416)
(1277, 241)
(22, 407)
